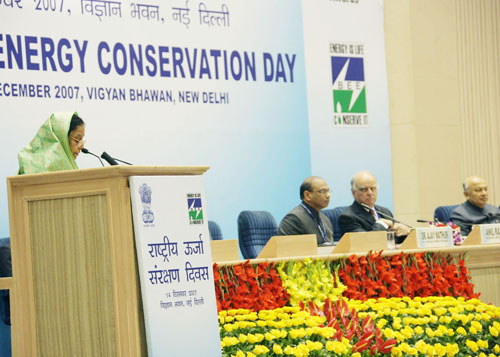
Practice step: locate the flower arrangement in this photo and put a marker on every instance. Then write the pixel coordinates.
(310, 281)
(419, 304)
(419, 274)
(267, 286)
(255, 287)
(432, 326)
(455, 231)
(334, 331)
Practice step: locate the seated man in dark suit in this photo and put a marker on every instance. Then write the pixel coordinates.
(475, 210)
(363, 215)
(306, 217)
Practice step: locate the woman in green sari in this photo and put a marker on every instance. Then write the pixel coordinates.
(55, 146)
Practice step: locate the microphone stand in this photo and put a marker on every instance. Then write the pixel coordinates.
(386, 216)
(85, 151)
(128, 163)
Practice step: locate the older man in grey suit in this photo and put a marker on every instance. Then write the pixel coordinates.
(363, 215)
(306, 217)
(475, 210)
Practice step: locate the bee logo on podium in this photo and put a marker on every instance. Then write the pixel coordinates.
(195, 208)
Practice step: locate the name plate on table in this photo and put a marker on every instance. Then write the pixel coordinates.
(434, 237)
(490, 233)
(290, 246)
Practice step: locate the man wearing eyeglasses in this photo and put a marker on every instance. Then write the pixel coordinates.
(306, 217)
(363, 215)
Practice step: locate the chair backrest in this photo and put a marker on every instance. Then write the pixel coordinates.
(4, 241)
(255, 228)
(5, 271)
(333, 214)
(442, 213)
(215, 231)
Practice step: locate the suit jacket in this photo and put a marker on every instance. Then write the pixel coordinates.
(298, 221)
(466, 215)
(357, 219)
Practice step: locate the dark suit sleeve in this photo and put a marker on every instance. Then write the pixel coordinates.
(290, 225)
(458, 218)
(348, 223)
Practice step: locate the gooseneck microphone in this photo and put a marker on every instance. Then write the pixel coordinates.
(85, 151)
(385, 215)
(128, 163)
(108, 158)
(424, 221)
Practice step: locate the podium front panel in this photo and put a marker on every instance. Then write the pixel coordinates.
(71, 258)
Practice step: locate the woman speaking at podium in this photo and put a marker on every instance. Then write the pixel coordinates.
(55, 146)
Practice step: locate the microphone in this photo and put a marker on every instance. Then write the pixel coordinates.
(386, 216)
(85, 151)
(424, 221)
(494, 216)
(108, 158)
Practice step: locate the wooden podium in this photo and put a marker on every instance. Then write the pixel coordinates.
(75, 288)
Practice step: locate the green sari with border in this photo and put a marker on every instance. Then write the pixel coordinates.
(49, 150)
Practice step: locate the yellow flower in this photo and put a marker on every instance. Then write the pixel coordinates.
(429, 332)
(472, 345)
(337, 347)
(314, 346)
(477, 325)
(396, 351)
(261, 323)
(388, 333)
(240, 354)
(242, 338)
(440, 349)
(288, 350)
(452, 349)
(493, 331)
(251, 338)
(408, 350)
(482, 343)
(407, 332)
(260, 350)
(396, 325)
(461, 331)
(277, 349)
(421, 346)
(381, 323)
(496, 349)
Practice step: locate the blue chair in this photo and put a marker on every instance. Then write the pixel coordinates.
(333, 214)
(255, 228)
(5, 333)
(215, 231)
(442, 213)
